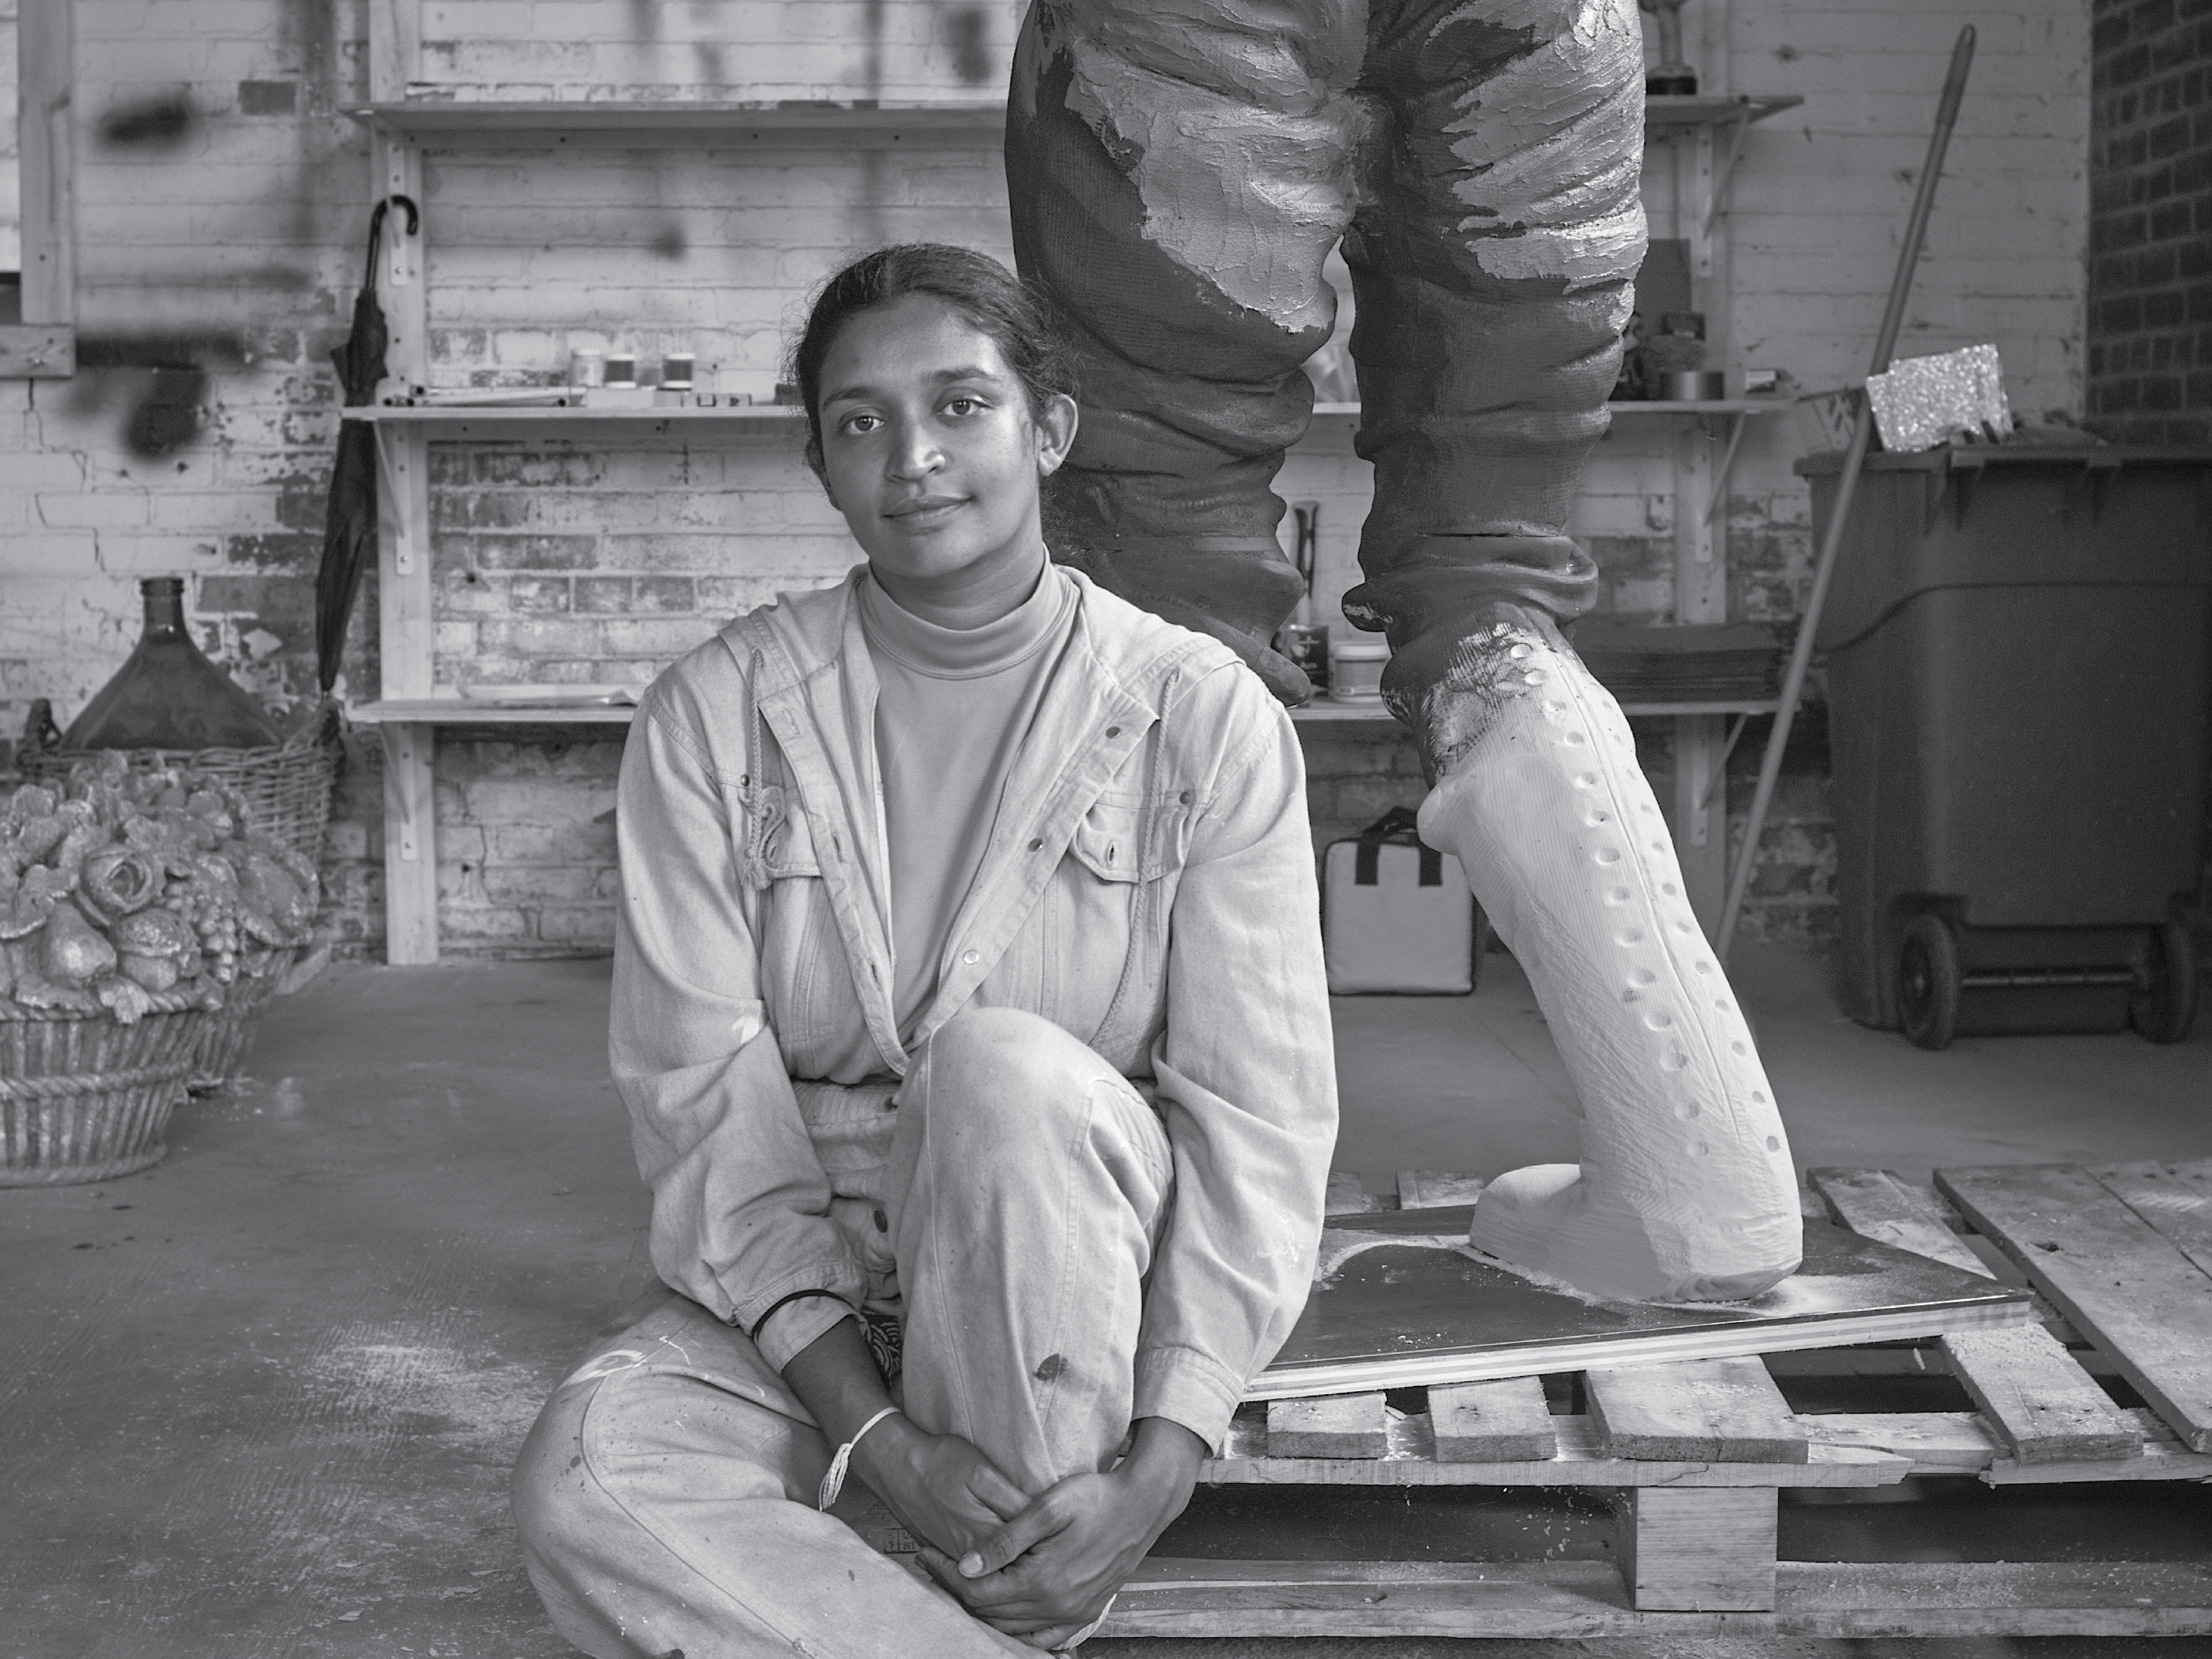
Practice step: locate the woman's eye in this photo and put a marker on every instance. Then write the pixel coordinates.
(857, 424)
(964, 405)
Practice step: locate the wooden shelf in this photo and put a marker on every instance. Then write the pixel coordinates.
(456, 711)
(686, 124)
(681, 123)
(449, 421)
(1711, 406)
(1665, 117)
(1321, 712)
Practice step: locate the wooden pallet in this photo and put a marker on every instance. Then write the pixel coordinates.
(1697, 1454)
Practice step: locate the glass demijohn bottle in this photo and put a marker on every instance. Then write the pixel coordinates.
(167, 695)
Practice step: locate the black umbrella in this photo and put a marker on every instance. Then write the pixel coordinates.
(350, 530)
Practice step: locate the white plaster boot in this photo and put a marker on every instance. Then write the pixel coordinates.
(1686, 1191)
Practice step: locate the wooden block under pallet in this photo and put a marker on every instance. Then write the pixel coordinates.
(1334, 1426)
(1699, 1549)
(1721, 1410)
(1503, 1422)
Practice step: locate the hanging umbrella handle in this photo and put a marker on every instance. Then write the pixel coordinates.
(376, 230)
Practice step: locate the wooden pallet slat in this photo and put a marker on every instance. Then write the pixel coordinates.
(1876, 1204)
(2121, 1281)
(2048, 1409)
(2174, 1198)
(1507, 1421)
(1721, 1411)
(1585, 1599)
(1346, 1196)
(1332, 1426)
(1435, 1190)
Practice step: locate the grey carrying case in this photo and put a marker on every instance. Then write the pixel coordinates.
(1396, 915)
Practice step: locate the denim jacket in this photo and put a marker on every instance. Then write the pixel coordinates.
(1148, 887)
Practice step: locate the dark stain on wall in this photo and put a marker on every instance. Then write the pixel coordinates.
(161, 380)
(967, 31)
(162, 122)
(671, 243)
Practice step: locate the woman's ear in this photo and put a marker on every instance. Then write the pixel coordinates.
(1055, 431)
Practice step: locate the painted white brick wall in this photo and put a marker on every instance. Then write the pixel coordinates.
(234, 247)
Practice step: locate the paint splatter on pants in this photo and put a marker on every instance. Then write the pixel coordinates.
(1179, 170)
(666, 1496)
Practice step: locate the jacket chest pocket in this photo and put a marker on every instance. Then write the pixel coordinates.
(1106, 915)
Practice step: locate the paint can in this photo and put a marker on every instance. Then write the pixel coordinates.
(1307, 645)
(622, 369)
(1355, 670)
(587, 367)
(676, 370)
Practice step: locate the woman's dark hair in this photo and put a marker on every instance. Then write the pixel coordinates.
(975, 285)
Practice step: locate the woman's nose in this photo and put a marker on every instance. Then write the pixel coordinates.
(915, 452)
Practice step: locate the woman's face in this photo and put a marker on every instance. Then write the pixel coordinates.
(929, 450)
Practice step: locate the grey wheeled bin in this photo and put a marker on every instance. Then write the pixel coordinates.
(2019, 649)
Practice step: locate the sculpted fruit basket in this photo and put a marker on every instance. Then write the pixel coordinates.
(141, 922)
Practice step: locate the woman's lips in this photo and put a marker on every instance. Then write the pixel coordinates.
(921, 515)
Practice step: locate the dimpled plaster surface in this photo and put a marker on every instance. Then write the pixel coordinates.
(1685, 1190)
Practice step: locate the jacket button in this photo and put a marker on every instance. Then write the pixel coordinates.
(1184, 798)
(1037, 846)
(971, 958)
(1113, 731)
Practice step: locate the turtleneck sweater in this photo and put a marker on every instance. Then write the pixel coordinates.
(953, 708)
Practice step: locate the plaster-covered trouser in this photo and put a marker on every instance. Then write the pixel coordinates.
(1178, 172)
(665, 1498)
(1686, 1188)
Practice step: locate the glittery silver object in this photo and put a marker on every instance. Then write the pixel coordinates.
(1923, 402)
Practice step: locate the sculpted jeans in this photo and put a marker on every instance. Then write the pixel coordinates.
(1178, 171)
(666, 1496)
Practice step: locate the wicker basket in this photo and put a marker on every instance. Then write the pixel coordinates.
(85, 1097)
(286, 786)
(230, 1027)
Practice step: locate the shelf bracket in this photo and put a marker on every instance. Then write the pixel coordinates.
(1728, 462)
(1726, 175)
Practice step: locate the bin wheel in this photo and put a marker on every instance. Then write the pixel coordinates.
(2163, 1005)
(1927, 982)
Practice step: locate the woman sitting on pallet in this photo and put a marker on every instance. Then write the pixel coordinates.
(968, 988)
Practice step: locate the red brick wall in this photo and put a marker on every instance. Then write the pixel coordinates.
(2150, 220)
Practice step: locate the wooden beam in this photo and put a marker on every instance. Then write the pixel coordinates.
(1696, 1550)
(1503, 1422)
(2046, 1407)
(46, 158)
(1340, 1425)
(2121, 1282)
(37, 352)
(1724, 1411)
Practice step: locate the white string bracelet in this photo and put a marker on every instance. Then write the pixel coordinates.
(834, 1482)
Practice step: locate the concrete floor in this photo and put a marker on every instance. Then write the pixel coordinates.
(260, 1401)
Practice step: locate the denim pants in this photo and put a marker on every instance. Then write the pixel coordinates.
(666, 1496)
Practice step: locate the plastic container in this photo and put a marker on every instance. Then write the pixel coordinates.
(1355, 670)
(2019, 650)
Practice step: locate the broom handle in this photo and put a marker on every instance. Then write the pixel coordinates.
(1824, 569)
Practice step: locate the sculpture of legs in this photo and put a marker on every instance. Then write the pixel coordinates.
(1178, 172)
